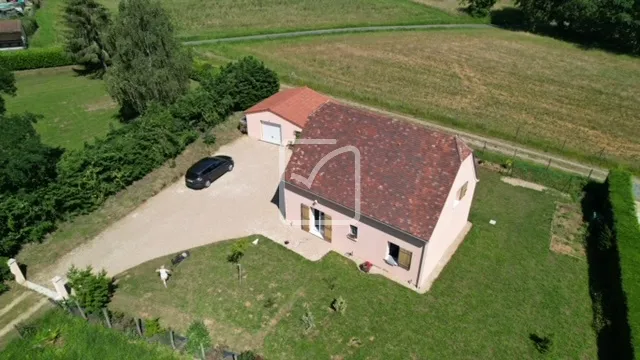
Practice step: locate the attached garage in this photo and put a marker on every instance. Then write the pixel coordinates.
(279, 118)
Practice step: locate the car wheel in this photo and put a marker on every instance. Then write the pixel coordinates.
(230, 167)
(207, 184)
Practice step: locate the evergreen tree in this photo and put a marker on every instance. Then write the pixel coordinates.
(149, 64)
(87, 21)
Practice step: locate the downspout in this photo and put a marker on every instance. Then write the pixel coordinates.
(420, 267)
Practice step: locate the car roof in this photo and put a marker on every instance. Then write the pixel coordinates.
(202, 164)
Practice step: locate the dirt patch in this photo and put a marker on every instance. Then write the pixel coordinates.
(105, 103)
(568, 230)
(523, 183)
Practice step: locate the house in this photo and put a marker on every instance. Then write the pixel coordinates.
(390, 192)
(279, 118)
(12, 35)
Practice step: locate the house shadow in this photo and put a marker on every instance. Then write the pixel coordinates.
(278, 199)
(605, 282)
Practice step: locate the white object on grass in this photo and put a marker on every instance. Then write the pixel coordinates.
(492, 222)
(164, 274)
(255, 242)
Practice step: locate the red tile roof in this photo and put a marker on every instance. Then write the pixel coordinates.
(407, 170)
(294, 105)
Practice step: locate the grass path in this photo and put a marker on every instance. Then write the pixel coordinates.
(360, 29)
(23, 317)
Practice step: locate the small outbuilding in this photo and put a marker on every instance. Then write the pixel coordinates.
(281, 117)
(12, 36)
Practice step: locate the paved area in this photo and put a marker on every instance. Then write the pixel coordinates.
(236, 205)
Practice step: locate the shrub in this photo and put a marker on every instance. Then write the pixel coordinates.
(249, 355)
(92, 291)
(209, 138)
(5, 274)
(152, 327)
(197, 335)
(627, 232)
(237, 252)
(308, 320)
(339, 305)
(246, 82)
(29, 24)
(479, 8)
(34, 59)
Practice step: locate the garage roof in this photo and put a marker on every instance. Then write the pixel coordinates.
(406, 170)
(294, 105)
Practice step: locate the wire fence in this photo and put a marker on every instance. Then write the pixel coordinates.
(136, 328)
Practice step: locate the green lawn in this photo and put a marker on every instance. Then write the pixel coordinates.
(521, 87)
(77, 339)
(194, 19)
(502, 286)
(75, 108)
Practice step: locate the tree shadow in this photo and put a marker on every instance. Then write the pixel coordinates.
(605, 282)
(512, 18)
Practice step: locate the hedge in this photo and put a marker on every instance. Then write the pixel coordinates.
(34, 59)
(86, 178)
(627, 234)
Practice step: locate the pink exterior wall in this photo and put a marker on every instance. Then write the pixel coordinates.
(452, 219)
(372, 239)
(254, 127)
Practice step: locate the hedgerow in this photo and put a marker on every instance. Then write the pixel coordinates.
(86, 178)
(34, 59)
(627, 234)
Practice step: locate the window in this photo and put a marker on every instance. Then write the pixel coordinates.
(353, 232)
(318, 221)
(462, 191)
(398, 256)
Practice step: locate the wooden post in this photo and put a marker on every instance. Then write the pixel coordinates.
(106, 317)
(484, 147)
(601, 153)
(518, 131)
(590, 172)
(81, 311)
(139, 327)
(563, 144)
(239, 273)
(549, 164)
(202, 351)
(18, 331)
(173, 342)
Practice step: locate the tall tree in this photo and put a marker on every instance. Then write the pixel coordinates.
(149, 64)
(7, 86)
(87, 22)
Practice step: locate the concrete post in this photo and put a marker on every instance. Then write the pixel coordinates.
(15, 270)
(59, 284)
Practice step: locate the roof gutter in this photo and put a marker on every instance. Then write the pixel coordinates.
(366, 216)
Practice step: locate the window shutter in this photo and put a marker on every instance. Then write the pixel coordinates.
(327, 227)
(404, 259)
(304, 216)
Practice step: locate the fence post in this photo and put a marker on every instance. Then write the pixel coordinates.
(601, 153)
(106, 317)
(590, 173)
(173, 342)
(563, 144)
(518, 131)
(84, 316)
(139, 327)
(549, 164)
(239, 273)
(18, 331)
(484, 147)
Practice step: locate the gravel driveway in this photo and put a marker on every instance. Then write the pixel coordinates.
(238, 204)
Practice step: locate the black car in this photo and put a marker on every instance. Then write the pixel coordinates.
(204, 172)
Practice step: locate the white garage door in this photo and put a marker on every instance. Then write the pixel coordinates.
(271, 133)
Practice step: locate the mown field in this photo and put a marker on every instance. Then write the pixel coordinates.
(60, 336)
(198, 20)
(517, 86)
(502, 287)
(75, 108)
